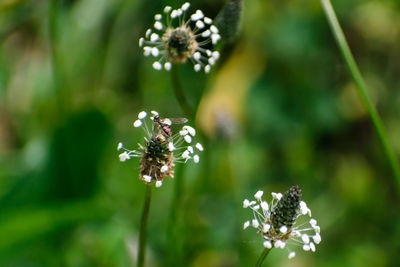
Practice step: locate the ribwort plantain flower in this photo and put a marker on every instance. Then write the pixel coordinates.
(161, 149)
(278, 221)
(176, 42)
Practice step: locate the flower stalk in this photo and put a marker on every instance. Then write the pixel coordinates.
(178, 91)
(143, 226)
(361, 88)
(262, 257)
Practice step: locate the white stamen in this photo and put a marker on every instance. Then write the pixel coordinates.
(197, 55)
(155, 52)
(171, 146)
(197, 67)
(196, 158)
(190, 129)
(158, 25)
(137, 123)
(158, 183)
(206, 33)
(283, 229)
(141, 41)
(199, 146)
(266, 227)
(188, 139)
(305, 239)
(147, 178)
(124, 156)
(207, 20)
(185, 6)
(142, 115)
(167, 65)
(267, 244)
(200, 24)
(148, 32)
(255, 223)
(207, 68)
(146, 51)
(157, 16)
(246, 224)
(258, 195)
(157, 65)
(214, 29)
(291, 255)
(167, 9)
(164, 168)
(246, 203)
(120, 145)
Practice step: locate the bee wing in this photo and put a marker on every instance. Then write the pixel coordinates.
(178, 120)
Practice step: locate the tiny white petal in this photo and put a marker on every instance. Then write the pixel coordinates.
(147, 178)
(185, 154)
(174, 14)
(137, 123)
(190, 149)
(255, 223)
(200, 24)
(196, 158)
(317, 238)
(306, 247)
(199, 146)
(215, 55)
(214, 29)
(171, 146)
(197, 55)
(167, 65)
(264, 206)
(316, 229)
(258, 195)
(157, 65)
(246, 224)
(157, 16)
(292, 255)
(120, 145)
(215, 38)
(312, 246)
(190, 129)
(142, 115)
(185, 6)
(246, 203)
(158, 25)
(194, 17)
(188, 139)
(207, 68)
(256, 207)
(266, 227)
(267, 244)
(199, 13)
(124, 156)
(179, 12)
(197, 67)
(154, 37)
(206, 33)
(158, 183)
(167, 9)
(155, 52)
(313, 222)
(183, 132)
(305, 238)
(207, 20)
(164, 168)
(209, 52)
(141, 41)
(148, 32)
(277, 196)
(146, 51)
(211, 60)
(283, 229)
(279, 244)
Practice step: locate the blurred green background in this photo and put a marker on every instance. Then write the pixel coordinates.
(279, 109)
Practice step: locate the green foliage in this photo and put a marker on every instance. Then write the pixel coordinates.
(71, 87)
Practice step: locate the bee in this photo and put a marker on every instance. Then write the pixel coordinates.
(165, 124)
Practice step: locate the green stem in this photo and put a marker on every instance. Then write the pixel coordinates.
(361, 87)
(262, 257)
(143, 226)
(179, 94)
(174, 256)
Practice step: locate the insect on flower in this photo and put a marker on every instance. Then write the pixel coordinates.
(165, 123)
(172, 42)
(162, 148)
(278, 221)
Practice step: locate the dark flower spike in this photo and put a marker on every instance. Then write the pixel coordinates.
(276, 221)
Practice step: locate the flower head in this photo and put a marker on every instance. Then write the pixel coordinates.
(176, 42)
(278, 221)
(161, 148)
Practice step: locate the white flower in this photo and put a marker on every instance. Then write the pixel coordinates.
(162, 148)
(269, 224)
(170, 43)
